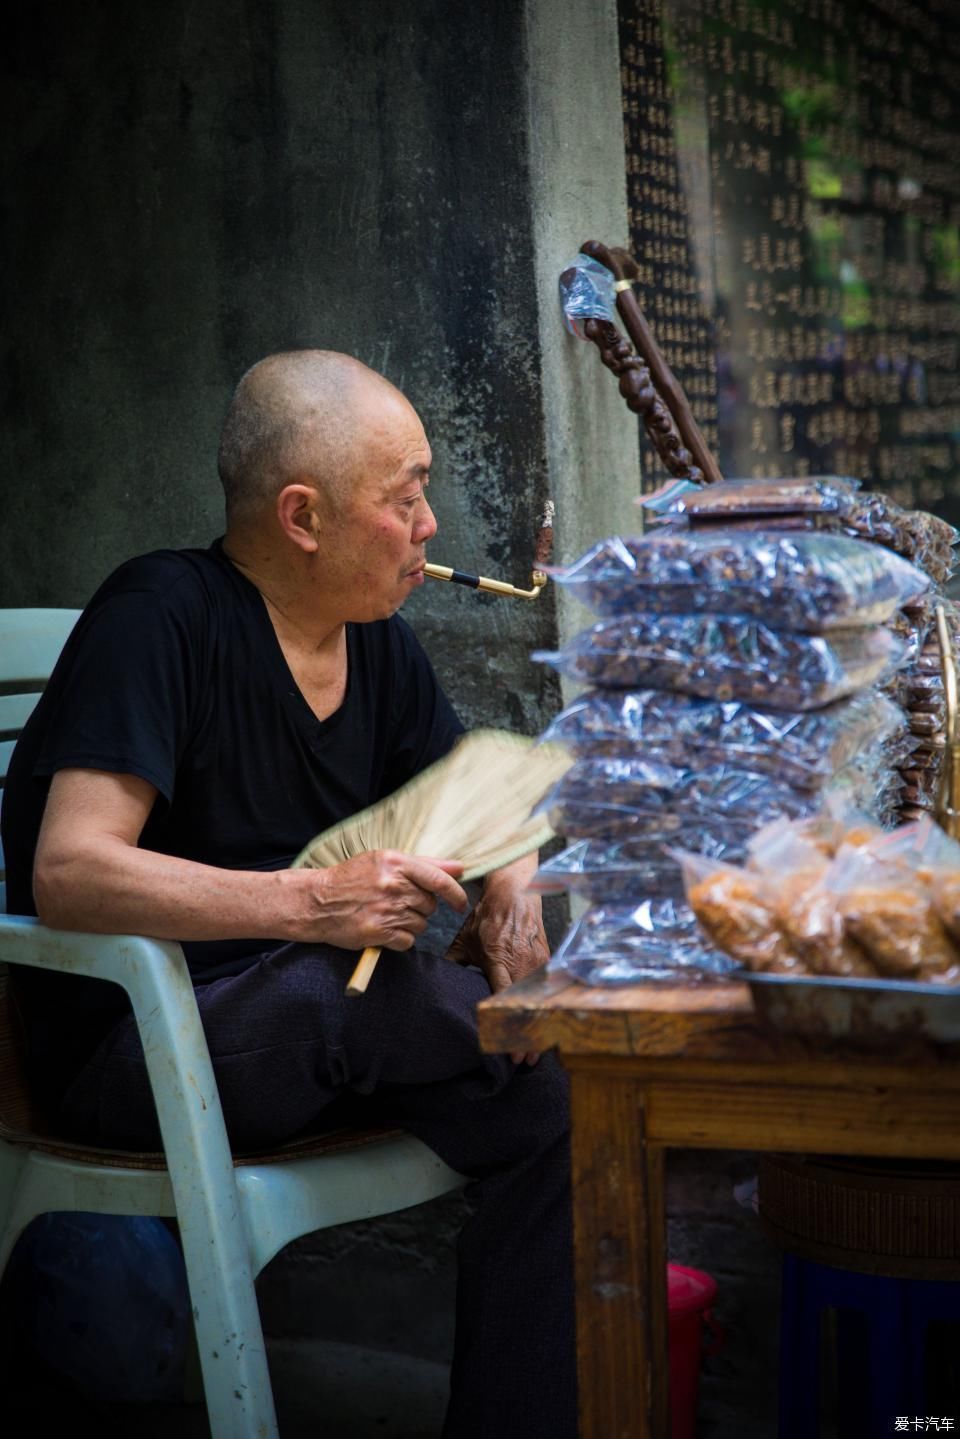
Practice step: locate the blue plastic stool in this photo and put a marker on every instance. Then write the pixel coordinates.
(877, 1379)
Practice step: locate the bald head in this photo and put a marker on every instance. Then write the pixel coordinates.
(296, 417)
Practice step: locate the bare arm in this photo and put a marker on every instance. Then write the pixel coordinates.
(90, 875)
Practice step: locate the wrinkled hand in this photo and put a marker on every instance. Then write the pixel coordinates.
(380, 898)
(504, 937)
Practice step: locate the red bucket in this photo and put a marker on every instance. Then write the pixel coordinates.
(690, 1294)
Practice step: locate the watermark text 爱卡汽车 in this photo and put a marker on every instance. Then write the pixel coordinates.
(923, 1424)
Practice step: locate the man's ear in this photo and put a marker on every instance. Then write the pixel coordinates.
(297, 513)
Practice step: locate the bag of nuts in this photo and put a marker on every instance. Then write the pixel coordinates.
(728, 658)
(803, 748)
(625, 943)
(812, 582)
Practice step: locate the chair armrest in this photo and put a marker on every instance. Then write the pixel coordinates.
(117, 957)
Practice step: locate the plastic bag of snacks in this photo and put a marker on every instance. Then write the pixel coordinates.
(610, 798)
(728, 659)
(877, 517)
(608, 873)
(945, 887)
(915, 629)
(808, 582)
(803, 747)
(822, 501)
(833, 896)
(735, 911)
(754, 499)
(934, 543)
(788, 924)
(624, 944)
(836, 824)
(922, 538)
(626, 871)
(794, 866)
(889, 911)
(934, 858)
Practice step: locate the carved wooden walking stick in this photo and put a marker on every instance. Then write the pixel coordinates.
(647, 383)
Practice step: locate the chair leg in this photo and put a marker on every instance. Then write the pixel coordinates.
(233, 1360)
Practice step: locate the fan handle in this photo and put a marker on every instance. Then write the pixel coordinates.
(366, 964)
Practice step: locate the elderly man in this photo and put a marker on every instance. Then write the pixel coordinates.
(212, 711)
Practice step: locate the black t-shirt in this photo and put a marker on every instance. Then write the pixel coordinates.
(174, 674)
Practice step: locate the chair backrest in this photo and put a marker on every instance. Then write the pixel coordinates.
(30, 644)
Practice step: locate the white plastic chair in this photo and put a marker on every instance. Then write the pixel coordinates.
(234, 1214)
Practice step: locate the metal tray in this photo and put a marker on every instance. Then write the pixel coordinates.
(863, 1011)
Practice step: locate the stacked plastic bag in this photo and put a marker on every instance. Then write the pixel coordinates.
(836, 505)
(734, 675)
(919, 689)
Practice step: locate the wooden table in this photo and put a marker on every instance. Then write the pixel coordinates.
(653, 1066)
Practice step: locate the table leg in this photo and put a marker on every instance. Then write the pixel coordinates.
(620, 1261)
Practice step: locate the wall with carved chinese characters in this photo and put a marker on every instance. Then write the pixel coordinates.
(794, 179)
(793, 173)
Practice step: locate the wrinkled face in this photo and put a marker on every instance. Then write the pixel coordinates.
(372, 545)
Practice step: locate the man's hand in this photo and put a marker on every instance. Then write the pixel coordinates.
(504, 934)
(380, 898)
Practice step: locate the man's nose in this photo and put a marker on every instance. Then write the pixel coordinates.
(426, 526)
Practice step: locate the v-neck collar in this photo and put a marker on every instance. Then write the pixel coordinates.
(294, 698)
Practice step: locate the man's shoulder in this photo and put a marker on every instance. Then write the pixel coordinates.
(164, 572)
(184, 584)
(166, 598)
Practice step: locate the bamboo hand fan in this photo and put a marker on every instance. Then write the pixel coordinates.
(473, 806)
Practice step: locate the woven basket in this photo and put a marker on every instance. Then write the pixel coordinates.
(875, 1216)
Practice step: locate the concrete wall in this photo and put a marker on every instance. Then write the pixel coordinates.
(191, 187)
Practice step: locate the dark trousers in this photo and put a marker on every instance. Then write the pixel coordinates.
(286, 1042)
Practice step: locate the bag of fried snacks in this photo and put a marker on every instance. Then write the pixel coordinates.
(836, 824)
(945, 888)
(734, 911)
(936, 859)
(888, 909)
(794, 873)
(793, 495)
